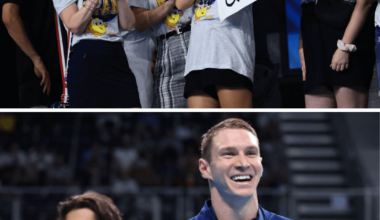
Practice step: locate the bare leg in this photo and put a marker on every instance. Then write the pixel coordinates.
(351, 97)
(200, 99)
(234, 97)
(320, 97)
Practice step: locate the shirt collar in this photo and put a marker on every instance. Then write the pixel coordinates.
(259, 213)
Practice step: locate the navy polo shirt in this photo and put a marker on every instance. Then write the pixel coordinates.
(207, 213)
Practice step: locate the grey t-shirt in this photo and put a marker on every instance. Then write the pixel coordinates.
(104, 24)
(175, 18)
(221, 45)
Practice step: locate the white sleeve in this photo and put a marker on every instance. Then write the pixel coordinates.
(61, 5)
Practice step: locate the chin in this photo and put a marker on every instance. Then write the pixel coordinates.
(243, 193)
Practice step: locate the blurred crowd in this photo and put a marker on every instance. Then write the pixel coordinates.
(125, 151)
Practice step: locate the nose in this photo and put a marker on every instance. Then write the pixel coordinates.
(241, 163)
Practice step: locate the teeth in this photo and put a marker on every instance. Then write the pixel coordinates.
(245, 177)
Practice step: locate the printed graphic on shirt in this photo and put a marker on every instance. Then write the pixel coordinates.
(202, 9)
(172, 19)
(97, 27)
(105, 12)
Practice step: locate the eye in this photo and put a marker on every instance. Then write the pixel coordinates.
(175, 12)
(96, 22)
(101, 22)
(252, 153)
(228, 153)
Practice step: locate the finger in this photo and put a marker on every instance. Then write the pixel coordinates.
(347, 65)
(342, 67)
(42, 80)
(43, 91)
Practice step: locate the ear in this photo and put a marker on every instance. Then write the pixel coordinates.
(204, 168)
(261, 160)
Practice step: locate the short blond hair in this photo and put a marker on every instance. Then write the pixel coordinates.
(231, 123)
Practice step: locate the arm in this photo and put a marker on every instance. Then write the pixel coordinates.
(16, 30)
(77, 20)
(126, 17)
(146, 19)
(302, 58)
(184, 4)
(358, 18)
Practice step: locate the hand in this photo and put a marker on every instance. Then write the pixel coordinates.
(41, 71)
(303, 65)
(171, 3)
(96, 2)
(340, 60)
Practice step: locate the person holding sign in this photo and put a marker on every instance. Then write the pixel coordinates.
(221, 57)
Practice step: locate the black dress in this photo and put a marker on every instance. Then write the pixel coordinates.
(320, 43)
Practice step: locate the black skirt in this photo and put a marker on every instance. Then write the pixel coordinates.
(320, 43)
(207, 79)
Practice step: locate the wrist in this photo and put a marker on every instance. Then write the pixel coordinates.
(346, 47)
(91, 5)
(35, 58)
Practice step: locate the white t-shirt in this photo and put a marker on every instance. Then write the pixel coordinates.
(104, 24)
(221, 45)
(175, 18)
(377, 15)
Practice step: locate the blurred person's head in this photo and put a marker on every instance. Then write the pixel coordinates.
(88, 206)
(231, 160)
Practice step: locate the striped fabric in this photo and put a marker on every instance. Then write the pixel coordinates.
(169, 72)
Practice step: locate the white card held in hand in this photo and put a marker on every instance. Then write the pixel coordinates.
(227, 8)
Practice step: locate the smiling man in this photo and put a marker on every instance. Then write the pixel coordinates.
(231, 163)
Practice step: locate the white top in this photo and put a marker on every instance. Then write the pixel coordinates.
(103, 25)
(221, 45)
(377, 15)
(175, 18)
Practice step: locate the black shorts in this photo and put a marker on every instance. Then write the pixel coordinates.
(99, 76)
(207, 79)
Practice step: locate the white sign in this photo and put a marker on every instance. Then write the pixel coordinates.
(227, 8)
